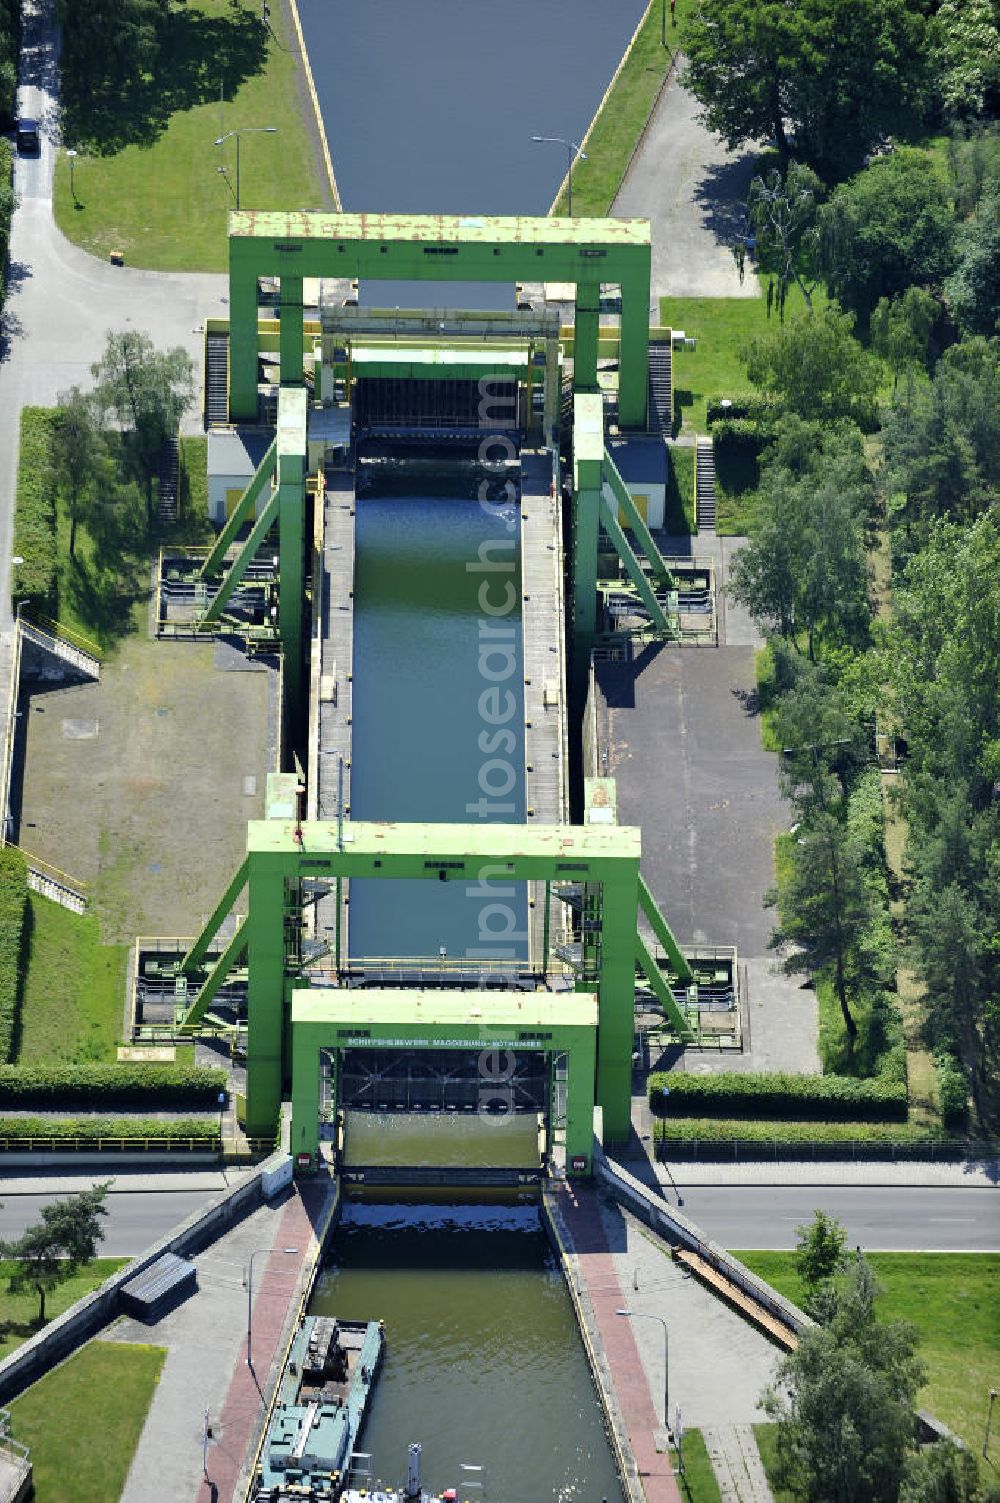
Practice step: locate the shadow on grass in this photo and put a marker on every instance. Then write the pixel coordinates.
(121, 83)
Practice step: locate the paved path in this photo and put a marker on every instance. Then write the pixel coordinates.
(693, 191)
(736, 1462)
(581, 1211)
(61, 302)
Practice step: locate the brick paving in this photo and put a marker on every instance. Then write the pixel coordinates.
(582, 1218)
(242, 1411)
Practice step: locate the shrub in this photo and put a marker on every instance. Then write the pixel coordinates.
(92, 1128)
(13, 904)
(953, 1098)
(821, 1098)
(34, 580)
(97, 1087)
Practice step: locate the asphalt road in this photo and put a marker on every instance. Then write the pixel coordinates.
(134, 1220)
(877, 1217)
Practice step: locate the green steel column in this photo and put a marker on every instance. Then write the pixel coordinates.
(617, 998)
(292, 421)
(588, 477)
(580, 1102)
(585, 336)
(633, 369)
(290, 316)
(265, 926)
(242, 335)
(305, 1090)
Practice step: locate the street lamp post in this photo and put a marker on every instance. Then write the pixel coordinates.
(989, 1420)
(245, 130)
(572, 152)
(249, 1278)
(71, 159)
(641, 1315)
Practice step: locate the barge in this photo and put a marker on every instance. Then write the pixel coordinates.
(320, 1410)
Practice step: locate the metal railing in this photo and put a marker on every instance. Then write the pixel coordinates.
(10, 736)
(62, 633)
(715, 1150)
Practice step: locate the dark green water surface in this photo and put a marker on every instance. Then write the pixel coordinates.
(484, 1363)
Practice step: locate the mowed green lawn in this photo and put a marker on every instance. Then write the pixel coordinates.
(165, 205)
(74, 992)
(722, 326)
(83, 1421)
(18, 1312)
(952, 1300)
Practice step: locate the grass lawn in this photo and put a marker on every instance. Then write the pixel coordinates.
(18, 1311)
(951, 1299)
(767, 703)
(83, 1421)
(766, 1436)
(161, 199)
(74, 991)
(698, 1483)
(680, 516)
(721, 325)
(625, 112)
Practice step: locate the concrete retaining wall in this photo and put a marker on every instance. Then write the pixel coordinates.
(89, 1315)
(672, 1224)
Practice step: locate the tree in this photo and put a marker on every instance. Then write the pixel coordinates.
(820, 739)
(782, 213)
(974, 288)
(147, 391)
(824, 907)
(901, 330)
(78, 450)
(837, 74)
(820, 1255)
(941, 1473)
(843, 1401)
(816, 368)
(889, 227)
(803, 570)
(56, 1247)
(965, 50)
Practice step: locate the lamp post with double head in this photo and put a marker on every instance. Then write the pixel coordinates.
(244, 130)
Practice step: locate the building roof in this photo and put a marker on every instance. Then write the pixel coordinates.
(237, 451)
(369, 1007)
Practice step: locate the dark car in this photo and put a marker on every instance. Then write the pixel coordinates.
(27, 136)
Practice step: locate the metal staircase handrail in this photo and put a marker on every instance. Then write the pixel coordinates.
(61, 632)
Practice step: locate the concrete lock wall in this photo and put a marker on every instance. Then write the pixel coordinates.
(96, 1310)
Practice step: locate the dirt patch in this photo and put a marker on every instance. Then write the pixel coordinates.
(151, 810)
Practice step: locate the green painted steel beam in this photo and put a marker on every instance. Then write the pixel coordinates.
(655, 977)
(243, 559)
(662, 930)
(199, 949)
(637, 523)
(438, 248)
(216, 976)
(634, 569)
(242, 511)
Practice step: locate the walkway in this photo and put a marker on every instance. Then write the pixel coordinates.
(736, 1462)
(692, 189)
(581, 1212)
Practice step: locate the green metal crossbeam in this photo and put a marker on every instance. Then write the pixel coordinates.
(243, 559)
(216, 976)
(199, 949)
(241, 513)
(636, 521)
(656, 979)
(635, 571)
(661, 929)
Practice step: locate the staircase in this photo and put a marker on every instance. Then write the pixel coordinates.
(661, 388)
(60, 646)
(169, 467)
(705, 485)
(216, 379)
(49, 882)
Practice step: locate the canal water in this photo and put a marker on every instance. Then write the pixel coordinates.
(422, 540)
(430, 106)
(441, 1139)
(483, 1364)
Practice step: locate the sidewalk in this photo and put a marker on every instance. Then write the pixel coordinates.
(966, 1175)
(124, 1181)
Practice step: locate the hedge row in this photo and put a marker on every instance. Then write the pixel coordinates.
(814, 1098)
(748, 406)
(953, 1091)
(34, 580)
(97, 1087)
(92, 1128)
(710, 1139)
(13, 903)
